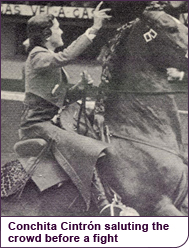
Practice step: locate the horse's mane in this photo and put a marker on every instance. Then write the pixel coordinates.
(109, 57)
(111, 53)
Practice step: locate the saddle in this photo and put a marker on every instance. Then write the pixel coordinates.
(35, 161)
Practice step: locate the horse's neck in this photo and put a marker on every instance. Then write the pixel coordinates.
(141, 76)
(135, 67)
(135, 77)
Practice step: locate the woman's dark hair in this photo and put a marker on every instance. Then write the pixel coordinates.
(38, 29)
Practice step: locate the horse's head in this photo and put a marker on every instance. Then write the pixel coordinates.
(166, 39)
(142, 50)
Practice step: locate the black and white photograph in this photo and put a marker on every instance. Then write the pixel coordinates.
(94, 109)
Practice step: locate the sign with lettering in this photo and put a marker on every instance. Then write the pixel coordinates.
(57, 11)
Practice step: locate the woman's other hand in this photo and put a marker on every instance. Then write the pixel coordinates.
(86, 82)
(174, 74)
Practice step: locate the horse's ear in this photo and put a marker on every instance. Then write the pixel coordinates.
(151, 15)
(133, 10)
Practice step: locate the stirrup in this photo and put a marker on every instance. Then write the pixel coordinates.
(118, 205)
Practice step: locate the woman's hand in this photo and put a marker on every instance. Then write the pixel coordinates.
(85, 82)
(99, 16)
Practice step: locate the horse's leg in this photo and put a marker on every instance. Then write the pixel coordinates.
(165, 207)
(184, 206)
(180, 199)
(114, 176)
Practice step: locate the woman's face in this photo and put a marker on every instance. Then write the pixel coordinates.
(56, 37)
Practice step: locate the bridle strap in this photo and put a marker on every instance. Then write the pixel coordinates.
(145, 143)
(82, 109)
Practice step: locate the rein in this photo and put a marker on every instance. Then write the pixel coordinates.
(148, 92)
(145, 143)
(83, 106)
(109, 134)
(82, 109)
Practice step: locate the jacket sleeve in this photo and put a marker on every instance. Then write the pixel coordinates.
(43, 59)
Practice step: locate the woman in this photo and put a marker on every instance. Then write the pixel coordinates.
(46, 87)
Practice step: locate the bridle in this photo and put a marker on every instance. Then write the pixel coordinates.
(152, 33)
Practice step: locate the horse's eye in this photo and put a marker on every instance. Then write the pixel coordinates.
(172, 29)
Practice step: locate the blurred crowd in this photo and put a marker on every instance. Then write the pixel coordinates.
(119, 8)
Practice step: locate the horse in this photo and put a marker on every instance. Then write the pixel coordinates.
(140, 116)
(142, 124)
